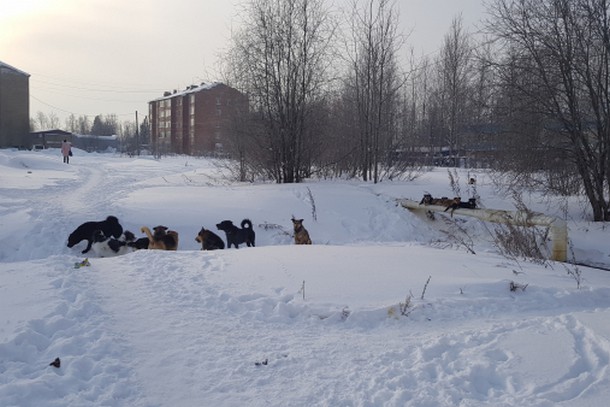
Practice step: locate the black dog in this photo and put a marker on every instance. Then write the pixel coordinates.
(140, 243)
(129, 239)
(209, 240)
(110, 227)
(235, 235)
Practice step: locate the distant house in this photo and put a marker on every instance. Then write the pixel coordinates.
(88, 142)
(14, 107)
(195, 121)
(49, 138)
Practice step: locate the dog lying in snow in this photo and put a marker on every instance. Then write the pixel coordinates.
(429, 200)
(449, 204)
(108, 246)
(458, 203)
(140, 243)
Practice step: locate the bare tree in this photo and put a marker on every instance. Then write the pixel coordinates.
(72, 123)
(129, 137)
(280, 57)
(84, 125)
(373, 81)
(53, 120)
(42, 121)
(47, 121)
(455, 71)
(564, 47)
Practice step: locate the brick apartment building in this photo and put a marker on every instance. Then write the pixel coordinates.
(14, 107)
(195, 121)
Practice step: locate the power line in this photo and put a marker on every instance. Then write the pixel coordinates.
(70, 82)
(103, 90)
(100, 99)
(71, 112)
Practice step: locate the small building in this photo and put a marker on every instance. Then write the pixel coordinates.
(49, 138)
(195, 121)
(91, 143)
(14, 107)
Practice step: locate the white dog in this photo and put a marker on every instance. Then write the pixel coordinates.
(109, 246)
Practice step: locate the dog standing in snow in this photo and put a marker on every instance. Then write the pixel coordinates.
(162, 239)
(235, 235)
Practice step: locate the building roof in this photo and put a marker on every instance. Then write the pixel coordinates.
(189, 89)
(12, 68)
(52, 132)
(94, 136)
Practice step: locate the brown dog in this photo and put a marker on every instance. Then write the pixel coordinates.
(162, 239)
(209, 240)
(301, 235)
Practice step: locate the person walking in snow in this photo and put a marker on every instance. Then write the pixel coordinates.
(66, 150)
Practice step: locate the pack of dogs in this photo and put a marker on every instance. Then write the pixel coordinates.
(450, 204)
(107, 238)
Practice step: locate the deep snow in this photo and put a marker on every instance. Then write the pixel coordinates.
(279, 324)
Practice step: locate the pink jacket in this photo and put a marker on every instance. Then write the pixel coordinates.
(65, 148)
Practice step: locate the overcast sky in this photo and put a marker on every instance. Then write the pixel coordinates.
(91, 57)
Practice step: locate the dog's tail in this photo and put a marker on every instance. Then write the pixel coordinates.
(147, 232)
(246, 222)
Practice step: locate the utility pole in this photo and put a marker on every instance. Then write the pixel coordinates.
(137, 135)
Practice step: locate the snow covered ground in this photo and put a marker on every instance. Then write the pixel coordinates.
(279, 324)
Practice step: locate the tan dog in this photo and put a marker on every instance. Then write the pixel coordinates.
(162, 239)
(301, 235)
